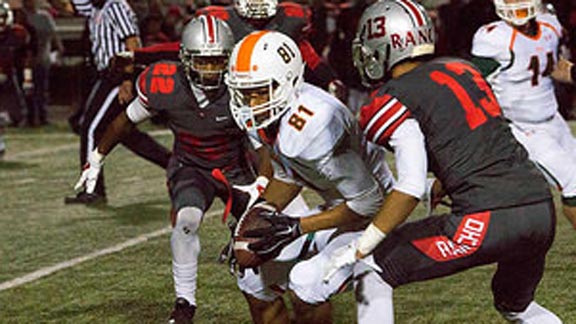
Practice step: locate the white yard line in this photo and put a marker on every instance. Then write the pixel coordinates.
(56, 149)
(43, 272)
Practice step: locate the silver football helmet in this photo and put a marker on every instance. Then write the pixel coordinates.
(517, 12)
(204, 51)
(389, 32)
(6, 16)
(256, 9)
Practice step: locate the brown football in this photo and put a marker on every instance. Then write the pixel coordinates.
(250, 221)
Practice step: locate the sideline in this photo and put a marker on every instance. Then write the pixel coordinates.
(46, 271)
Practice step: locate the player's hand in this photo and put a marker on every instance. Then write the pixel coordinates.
(28, 84)
(342, 257)
(244, 197)
(125, 93)
(338, 90)
(282, 231)
(90, 172)
(120, 62)
(562, 71)
(227, 255)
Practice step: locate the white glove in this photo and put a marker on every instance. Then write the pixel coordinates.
(342, 257)
(254, 190)
(90, 172)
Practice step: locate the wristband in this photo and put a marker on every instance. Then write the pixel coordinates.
(371, 237)
(96, 156)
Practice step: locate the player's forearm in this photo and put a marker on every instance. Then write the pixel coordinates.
(265, 163)
(396, 209)
(340, 217)
(114, 133)
(280, 194)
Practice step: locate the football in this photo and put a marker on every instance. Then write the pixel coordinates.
(250, 221)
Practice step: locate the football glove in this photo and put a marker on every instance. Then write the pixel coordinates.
(342, 257)
(282, 231)
(227, 255)
(246, 196)
(90, 172)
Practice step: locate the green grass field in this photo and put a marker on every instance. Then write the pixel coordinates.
(134, 285)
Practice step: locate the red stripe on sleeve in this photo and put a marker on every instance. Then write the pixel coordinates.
(369, 110)
(162, 47)
(309, 54)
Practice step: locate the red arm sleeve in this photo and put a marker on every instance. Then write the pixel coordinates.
(158, 52)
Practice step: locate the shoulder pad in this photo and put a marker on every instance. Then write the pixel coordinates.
(291, 9)
(311, 129)
(491, 39)
(381, 117)
(20, 31)
(156, 79)
(550, 21)
(215, 11)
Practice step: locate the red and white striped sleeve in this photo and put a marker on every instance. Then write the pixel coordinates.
(381, 117)
(141, 88)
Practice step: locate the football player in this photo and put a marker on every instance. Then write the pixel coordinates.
(292, 19)
(440, 115)
(317, 141)
(246, 16)
(519, 56)
(15, 49)
(194, 98)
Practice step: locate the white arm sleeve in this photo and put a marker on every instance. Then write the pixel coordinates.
(411, 159)
(137, 112)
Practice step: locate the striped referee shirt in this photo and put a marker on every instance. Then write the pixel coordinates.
(109, 27)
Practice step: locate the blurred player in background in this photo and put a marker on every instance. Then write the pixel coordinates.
(519, 57)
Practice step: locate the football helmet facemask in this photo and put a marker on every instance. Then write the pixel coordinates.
(256, 9)
(265, 72)
(204, 51)
(389, 32)
(517, 12)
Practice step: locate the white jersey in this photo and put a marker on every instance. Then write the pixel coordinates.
(522, 83)
(319, 145)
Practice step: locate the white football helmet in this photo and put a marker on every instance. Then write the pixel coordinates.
(6, 16)
(517, 12)
(267, 62)
(389, 32)
(256, 9)
(206, 42)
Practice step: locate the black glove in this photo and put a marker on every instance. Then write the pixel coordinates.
(227, 255)
(272, 239)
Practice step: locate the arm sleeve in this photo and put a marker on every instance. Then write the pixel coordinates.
(120, 16)
(318, 72)
(82, 7)
(158, 52)
(411, 159)
(136, 112)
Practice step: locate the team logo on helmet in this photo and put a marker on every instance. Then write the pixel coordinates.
(389, 32)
